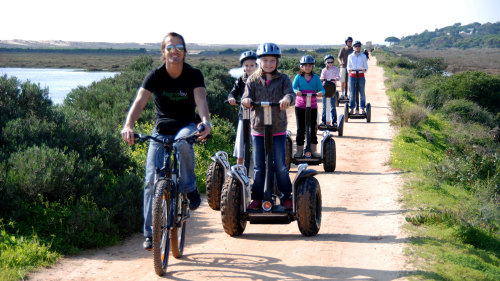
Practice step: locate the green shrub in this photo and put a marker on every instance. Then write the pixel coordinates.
(466, 111)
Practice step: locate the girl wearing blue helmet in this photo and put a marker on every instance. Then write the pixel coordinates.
(306, 82)
(268, 84)
(248, 61)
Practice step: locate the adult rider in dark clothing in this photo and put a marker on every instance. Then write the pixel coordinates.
(177, 88)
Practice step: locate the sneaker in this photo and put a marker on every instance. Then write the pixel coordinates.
(351, 111)
(194, 199)
(148, 244)
(288, 204)
(254, 205)
(335, 124)
(363, 111)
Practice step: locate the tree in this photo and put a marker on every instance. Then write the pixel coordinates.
(392, 40)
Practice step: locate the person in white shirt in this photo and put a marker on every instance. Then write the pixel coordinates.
(357, 65)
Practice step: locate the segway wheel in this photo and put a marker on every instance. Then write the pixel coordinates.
(346, 112)
(215, 179)
(337, 102)
(288, 152)
(340, 127)
(232, 207)
(330, 155)
(368, 113)
(309, 206)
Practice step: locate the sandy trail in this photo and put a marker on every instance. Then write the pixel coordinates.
(360, 236)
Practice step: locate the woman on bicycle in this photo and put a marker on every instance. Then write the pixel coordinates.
(177, 88)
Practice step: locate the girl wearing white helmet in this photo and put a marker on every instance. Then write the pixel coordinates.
(268, 84)
(329, 74)
(248, 61)
(306, 82)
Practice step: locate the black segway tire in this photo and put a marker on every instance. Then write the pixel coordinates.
(346, 112)
(231, 207)
(340, 128)
(308, 202)
(337, 102)
(330, 155)
(215, 179)
(368, 113)
(288, 152)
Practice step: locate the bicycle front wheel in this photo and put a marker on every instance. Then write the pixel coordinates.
(163, 214)
(178, 231)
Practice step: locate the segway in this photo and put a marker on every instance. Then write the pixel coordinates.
(367, 115)
(306, 194)
(217, 170)
(328, 149)
(330, 90)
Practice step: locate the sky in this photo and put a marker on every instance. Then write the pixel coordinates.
(307, 22)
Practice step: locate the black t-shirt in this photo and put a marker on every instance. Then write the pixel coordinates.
(174, 98)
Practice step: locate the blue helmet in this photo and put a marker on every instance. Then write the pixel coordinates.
(328, 57)
(307, 59)
(357, 43)
(247, 55)
(348, 38)
(268, 49)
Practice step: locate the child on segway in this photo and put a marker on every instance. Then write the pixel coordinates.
(306, 82)
(268, 84)
(248, 61)
(357, 66)
(329, 75)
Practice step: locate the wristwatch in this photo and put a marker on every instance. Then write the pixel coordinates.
(208, 123)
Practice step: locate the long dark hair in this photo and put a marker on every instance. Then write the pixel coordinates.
(172, 34)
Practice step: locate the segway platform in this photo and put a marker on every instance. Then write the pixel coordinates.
(366, 116)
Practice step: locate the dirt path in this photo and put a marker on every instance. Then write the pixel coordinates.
(359, 239)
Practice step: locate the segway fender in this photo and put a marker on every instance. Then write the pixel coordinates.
(303, 172)
(221, 158)
(239, 172)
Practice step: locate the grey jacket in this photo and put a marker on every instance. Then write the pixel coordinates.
(257, 90)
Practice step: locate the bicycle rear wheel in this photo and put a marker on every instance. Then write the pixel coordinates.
(178, 231)
(163, 213)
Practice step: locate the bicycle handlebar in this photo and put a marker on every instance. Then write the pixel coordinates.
(192, 138)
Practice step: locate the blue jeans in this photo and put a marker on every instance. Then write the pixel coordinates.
(333, 110)
(280, 168)
(185, 156)
(352, 92)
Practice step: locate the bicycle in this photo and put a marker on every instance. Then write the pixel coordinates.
(170, 206)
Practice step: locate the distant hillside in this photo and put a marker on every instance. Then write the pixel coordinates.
(474, 35)
(58, 44)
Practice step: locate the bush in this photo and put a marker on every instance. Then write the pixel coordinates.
(467, 111)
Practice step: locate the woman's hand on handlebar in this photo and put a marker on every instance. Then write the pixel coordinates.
(319, 94)
(128, 135)
(284, 103)
(298, 93)
(247, 102)
(206, 130)
(232, 101)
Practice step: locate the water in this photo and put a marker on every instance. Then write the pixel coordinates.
(236, 72)
(59, 81)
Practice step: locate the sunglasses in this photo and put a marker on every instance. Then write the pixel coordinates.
(178, 47)
(329, 62)
(356, 46)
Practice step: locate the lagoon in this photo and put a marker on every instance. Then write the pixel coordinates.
(59, 81)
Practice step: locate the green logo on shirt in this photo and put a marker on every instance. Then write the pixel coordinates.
(176, 96)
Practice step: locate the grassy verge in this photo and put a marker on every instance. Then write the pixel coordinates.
(452, 202)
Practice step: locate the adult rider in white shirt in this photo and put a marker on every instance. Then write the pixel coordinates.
(357, 62)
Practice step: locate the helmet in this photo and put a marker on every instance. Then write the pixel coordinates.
(307, 60)
(328, 57)
(348, 38)
(357, 43)
(268, 49)
(247, 55)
